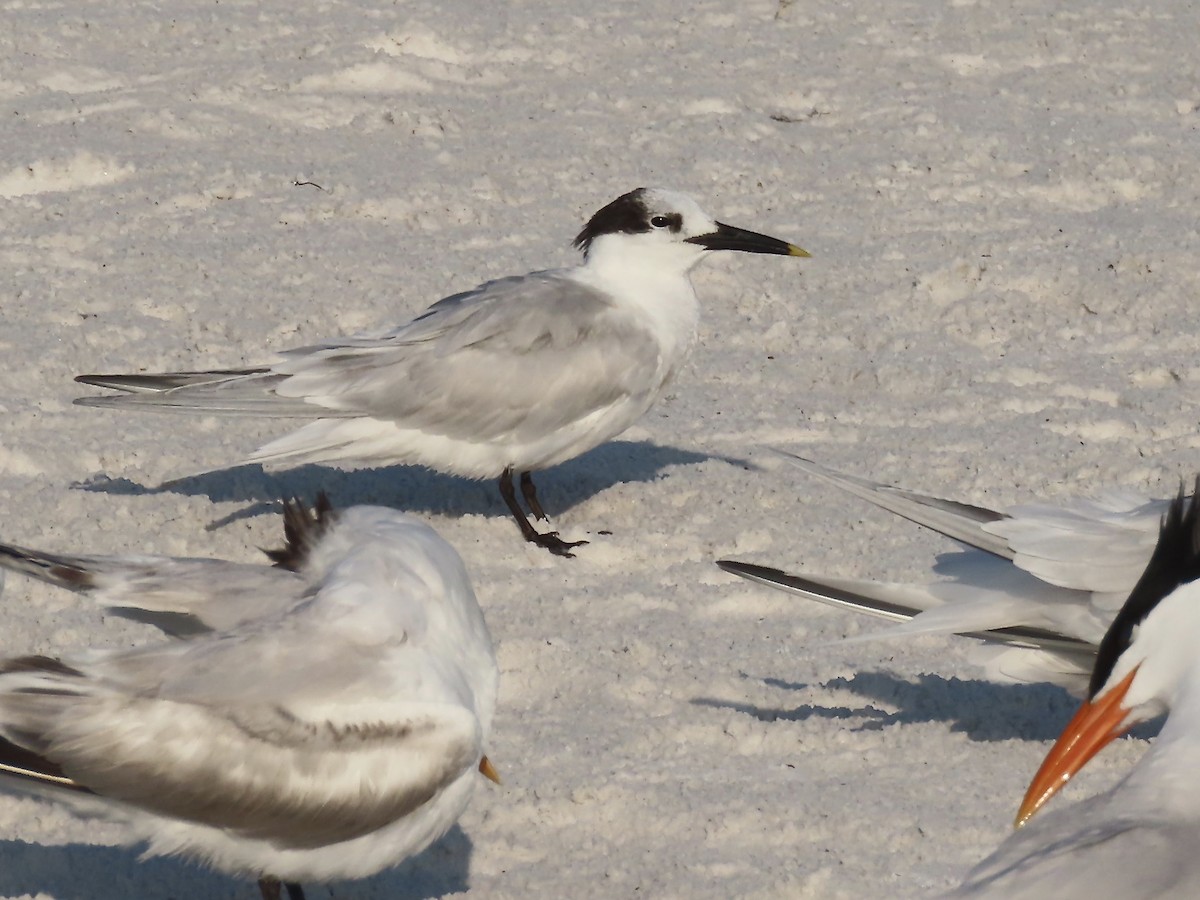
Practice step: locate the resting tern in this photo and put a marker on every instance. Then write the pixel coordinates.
(517, 375)
(320, 720)
(1039, 583)
(1140, 839)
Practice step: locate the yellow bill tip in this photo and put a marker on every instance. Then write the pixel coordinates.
(793, 250)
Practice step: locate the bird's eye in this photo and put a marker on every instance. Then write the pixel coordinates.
(660, 221)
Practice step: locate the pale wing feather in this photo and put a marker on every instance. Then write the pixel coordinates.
(181, 596)
(1098, 545)
(376, 619)
(1014, 648)
(185, 596)
(1101, 546)
(516, 359)
(995, 609)
(213, 594)
(234, 393)
(960, 521)
(997, 594)
(317, 725)
(255, 770)
(336, 716)
(1068, 668)
(1086, 851)
(1094, 549)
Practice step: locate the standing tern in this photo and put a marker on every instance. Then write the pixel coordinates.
(1039, 583)
(316, 721)
(1140, 839)
(517, 375)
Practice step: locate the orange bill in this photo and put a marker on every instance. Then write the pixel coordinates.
(488, 770)
(1096, 723)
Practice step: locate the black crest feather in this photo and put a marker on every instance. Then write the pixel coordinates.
(1175, 562)
(625, 215)
(302, 530)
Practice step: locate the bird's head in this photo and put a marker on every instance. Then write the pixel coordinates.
(665, 229)
(1144, 660)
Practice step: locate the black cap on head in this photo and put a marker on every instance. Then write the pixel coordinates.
(625, 215)
(1175, 562)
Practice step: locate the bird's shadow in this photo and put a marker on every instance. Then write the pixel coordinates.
(97, 872)
(983, 710)
(416, 489)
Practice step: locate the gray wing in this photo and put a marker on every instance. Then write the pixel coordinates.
(901, 603)
(1090, 850)
(180, 596)
(1100, 545)
(234, 392)
(303, 729)
(253, 769)
(517, 357)
(959, 521)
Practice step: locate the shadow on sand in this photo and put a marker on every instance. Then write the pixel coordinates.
(983, 710)
(416, 489)
(94, 872)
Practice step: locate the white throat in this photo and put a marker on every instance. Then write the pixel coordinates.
(650, 281)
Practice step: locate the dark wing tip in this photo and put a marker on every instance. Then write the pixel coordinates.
(1174, 562)
(59, 570)
(36, 663)
(302, 530)
(25, 764)
(751, 569)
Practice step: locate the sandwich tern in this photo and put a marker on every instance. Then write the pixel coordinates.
(517, 375)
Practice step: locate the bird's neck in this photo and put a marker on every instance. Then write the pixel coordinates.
(614, 263)
(662, 295)
(1165, 778)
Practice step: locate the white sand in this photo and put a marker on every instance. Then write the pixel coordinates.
(1000, 200)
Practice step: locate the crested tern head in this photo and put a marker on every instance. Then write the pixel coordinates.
(1138, 838)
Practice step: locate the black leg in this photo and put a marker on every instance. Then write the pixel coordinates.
(270, 888)
(529, 492)
(550, 541)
